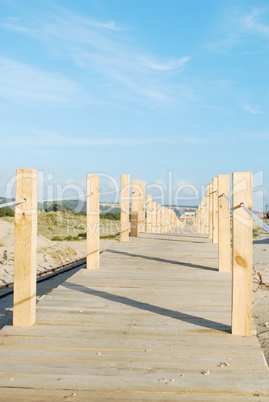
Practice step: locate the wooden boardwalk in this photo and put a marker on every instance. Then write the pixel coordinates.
(153, 324)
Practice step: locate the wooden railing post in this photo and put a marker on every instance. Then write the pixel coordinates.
(215, 211)
(141, 226)
(224, 223)
(149, 213)
(207, 212)
(93, 222)
(242, 255)
(154, 211)
(162, 219)
(124, 208)
(210, 226)
(158, 218)
(135, 207)
(25, 249)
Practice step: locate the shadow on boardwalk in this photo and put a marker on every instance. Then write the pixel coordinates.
(146, 257)
(200, 321)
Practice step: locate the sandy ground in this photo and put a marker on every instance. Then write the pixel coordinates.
(51, 254)
(260, 292)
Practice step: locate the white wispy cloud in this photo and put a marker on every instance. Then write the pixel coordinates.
(252, 110)
(169, 65)
(22, 82)
(253, 22)
(236, 28)
(52, 138)
(104, 49)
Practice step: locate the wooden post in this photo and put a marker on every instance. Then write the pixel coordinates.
(149, 213)
(242, 255)
(199, 219)
(162, 219)
(215, 211)
(207, 212)
(124, 208)
(210, 226)
(158, 218)
(224, 223)
(25, 249)
(93, 222)
(154, 211)
(134, 224)
(141, 226)
(135, 207)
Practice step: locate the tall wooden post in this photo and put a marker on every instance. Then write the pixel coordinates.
(162, 219)
(158, 218)
(199, 219)
(25, 249)
(242, 255)
(210, 226)
(124, 208)
(135, 207)
(224, 223)
(207, 212)
(154, 211)
(149, 213)
(93, 222)
(141, 226)
(215, 211)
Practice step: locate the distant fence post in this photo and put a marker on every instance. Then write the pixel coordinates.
(207, 212)
(154, 211)
(224, 223)
(198, 219)
(141, 225)
(134, 224)
(242, 255)
(162, 219)
(93, 222)
(135, 207)
(124, 208)
(215, 211)
(25, 249)
(210, 226)
(149, 213)
(158, 218)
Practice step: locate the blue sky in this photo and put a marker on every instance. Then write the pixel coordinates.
(140, 87)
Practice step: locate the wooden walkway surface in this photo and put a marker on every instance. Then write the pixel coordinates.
(142, 328)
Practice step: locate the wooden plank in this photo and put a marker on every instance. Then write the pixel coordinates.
(224, 223)
(124, 209)
(158, 310)
(242, 255)
(93, 222)
(25, 254)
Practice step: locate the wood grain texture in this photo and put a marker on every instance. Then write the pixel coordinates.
(242, 245)
(93, 222)
(25, 249)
